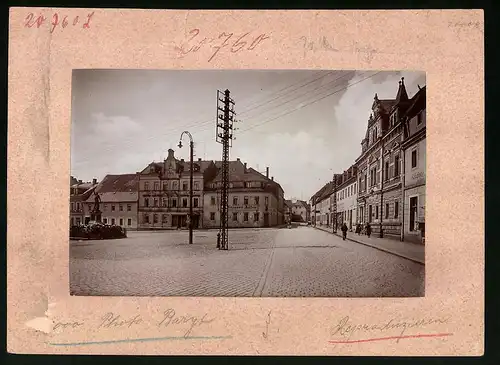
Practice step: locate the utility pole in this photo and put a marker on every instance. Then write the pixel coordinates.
(191, 167)
(224, 136)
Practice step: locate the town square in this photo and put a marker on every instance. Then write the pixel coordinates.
(240, 205)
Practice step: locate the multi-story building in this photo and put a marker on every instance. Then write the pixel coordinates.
(79, 193)
(379, 166)
(119, 195)
(414, 169)
(163, 193)
(255, 200)
(288, 205)
(322, 203)
(347, 202)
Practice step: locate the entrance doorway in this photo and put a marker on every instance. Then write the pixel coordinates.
(266, 219)
(175, 221)
(370, 213)
(196, 221)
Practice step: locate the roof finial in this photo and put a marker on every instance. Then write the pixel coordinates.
(403, 80)
(376, 96)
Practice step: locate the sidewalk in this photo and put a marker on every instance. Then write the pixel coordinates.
(407, 250)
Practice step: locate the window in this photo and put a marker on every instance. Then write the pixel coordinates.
(165, 202)
(121, 221)
(386, 172)
(354, 188)
(266, 200)
(387, 210)
(113, 208)
(105, 207)
(196, 185)
(112, 221)
(174, 185)
(155, 218)
(212, 216)
(396, 209)
(165, 218)
(195, 202)
(235, 217)
(235, 200)
(396, 165)
(184, 202)
(129, 207)
(245, 217)
(105, 220)
(146, 218)
(413, 213)
(78, 221)
(376, 212)
(256, 217)
(245, 200)
(165, 186)
(157, 185)
(146, 185)
(129, 221)
(174, 203)
(413, 159)
(373, 177)
(155, 202)
(212, 200)
(256, 200)
(121, 208)
(184, 186)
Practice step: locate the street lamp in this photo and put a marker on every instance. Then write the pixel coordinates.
(191, 146)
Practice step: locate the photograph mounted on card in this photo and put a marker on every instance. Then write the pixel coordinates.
(230, 173)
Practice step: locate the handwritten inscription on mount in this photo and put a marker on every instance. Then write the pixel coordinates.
(57, 20)
(168, 319)
(234, 43)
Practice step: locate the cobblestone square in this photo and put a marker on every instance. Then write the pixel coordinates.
(298, 262)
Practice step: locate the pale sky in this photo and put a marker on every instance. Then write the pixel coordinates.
(124, 119)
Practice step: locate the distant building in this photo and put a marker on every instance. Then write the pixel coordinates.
(288, 210)
(322, 203)
(79, 193)
(347, 193)
(255, 200)
(118, 194)
(414, 162)
(300, 211)
(164, 193)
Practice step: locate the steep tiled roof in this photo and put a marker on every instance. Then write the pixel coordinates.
(417, 103)
(118, 183)
(120, 196)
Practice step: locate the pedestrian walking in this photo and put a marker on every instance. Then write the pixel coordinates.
(368, 230)
(358, 228)
(344, 231)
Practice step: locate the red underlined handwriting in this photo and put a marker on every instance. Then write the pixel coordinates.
(393, 338)
(230, 41)
(58, 21)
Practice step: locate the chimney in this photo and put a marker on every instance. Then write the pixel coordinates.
(94, 181)
(170, 153)
(182, 160)
(238, 159)
(267, 172)
(199, 158)
(245, 164)
(80, 181)
(272, 178)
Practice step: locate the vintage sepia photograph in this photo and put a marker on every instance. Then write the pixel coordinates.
(247, 183)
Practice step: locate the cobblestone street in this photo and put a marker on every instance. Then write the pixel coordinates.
(294, 262)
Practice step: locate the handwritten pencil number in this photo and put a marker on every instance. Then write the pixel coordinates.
(224, 44)
(31, 21)
(239, 43)
(256, 41)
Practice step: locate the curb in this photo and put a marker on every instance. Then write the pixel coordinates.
(378, 248)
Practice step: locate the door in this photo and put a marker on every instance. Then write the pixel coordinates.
(196, 221)
(370, 212)
(175, 221)
(266, 219)
(413, 212)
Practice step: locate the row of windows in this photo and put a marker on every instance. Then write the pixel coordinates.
(77, 221)
(246, 184)
(121, 207)
(173, 185)
(246, 200)
(373, 211)
(347, 192)
(169, 203)
(256, 216)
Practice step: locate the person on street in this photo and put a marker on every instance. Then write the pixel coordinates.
(344, 231)
(368, 230)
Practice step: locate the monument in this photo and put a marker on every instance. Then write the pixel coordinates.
(95, 215)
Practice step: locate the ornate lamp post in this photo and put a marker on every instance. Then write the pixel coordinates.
(190, 217)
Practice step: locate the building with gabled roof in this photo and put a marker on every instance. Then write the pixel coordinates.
(255, 199)
(79, 192)
(118, 195)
